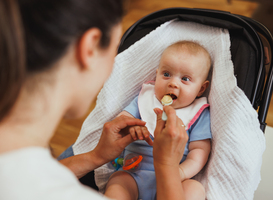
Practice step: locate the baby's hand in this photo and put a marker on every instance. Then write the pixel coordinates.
(141, 133)
(182, 174)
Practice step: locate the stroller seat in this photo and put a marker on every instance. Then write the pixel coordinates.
(247, 36)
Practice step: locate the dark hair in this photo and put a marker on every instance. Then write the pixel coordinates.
(49, 27)
(12, 55)
(52, 25)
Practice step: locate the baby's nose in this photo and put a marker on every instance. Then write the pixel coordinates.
(173, 84)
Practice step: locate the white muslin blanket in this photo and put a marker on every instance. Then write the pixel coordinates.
(233, 169)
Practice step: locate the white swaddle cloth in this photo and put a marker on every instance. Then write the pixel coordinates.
(233, 170)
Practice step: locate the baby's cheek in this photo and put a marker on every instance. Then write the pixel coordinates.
(157, 92)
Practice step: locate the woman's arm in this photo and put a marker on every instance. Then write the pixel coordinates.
(112, 142)
(169, 144)
(168, 183)
(197, 158)
(82, 164)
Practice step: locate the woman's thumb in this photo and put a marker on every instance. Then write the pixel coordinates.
(160, 124)
(125, 141)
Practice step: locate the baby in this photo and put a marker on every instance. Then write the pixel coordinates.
(182, 74)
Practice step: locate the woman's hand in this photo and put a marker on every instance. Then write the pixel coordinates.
(169, 144)
(115, 137)
(170, 138)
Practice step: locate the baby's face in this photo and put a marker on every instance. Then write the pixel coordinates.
(182, 75)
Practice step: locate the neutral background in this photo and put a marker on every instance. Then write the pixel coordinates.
(68, 130)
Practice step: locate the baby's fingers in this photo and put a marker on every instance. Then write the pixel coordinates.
(141, 133)
(147, 136)
(138, 131)
(133, 133)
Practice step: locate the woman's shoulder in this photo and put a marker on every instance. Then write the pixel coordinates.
(33, 173)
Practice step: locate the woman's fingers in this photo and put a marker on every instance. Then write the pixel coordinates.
(113, 140)
(174, 124)
(170, 138)
(171, 123)
(124, 121)
(160, 124)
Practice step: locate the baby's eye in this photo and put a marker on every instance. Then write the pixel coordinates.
(185, 79)
(166, 74)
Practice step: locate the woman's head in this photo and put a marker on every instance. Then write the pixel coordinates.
(50, 28)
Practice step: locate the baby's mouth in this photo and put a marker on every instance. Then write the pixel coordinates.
(174, 97)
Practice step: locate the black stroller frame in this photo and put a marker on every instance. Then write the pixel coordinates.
(246, 38)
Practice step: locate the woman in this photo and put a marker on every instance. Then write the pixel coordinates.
(55, 57)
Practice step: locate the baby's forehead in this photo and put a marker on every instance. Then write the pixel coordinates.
(190, 48)
(197, 52)
(175, 50)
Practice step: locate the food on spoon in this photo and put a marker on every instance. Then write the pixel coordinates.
(166, 100)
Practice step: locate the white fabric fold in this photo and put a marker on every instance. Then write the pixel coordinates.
(233, 169)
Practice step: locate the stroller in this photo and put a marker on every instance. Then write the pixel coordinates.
(250, 43)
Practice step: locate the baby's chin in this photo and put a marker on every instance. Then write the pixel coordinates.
(177, 105)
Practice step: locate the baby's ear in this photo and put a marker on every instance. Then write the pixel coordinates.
(203, 88)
